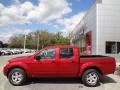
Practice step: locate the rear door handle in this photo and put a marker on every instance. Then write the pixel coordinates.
(72, 61)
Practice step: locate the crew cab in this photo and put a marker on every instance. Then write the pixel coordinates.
(59, 61)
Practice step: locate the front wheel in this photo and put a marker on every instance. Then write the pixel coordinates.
(91, 78)
(3, 53)
(17, 76)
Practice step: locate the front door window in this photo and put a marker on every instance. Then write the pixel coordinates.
(47, 54)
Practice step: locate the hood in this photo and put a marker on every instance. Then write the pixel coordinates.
(22, 58)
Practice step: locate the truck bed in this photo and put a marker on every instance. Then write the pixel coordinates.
(92, 56)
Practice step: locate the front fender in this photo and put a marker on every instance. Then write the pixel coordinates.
(12, 65)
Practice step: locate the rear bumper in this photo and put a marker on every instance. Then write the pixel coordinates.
(117, 65)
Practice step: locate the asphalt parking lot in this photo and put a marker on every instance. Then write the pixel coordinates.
(110, 82)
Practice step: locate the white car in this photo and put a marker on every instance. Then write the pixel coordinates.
(5, 52)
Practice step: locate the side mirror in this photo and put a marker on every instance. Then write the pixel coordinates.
(37, 57)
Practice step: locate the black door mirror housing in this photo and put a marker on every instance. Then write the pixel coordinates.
(37, 57)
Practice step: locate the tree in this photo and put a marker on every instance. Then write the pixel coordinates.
(61, 40)
(5, 45)
(45, 39)
(16, 41)
(1, 44)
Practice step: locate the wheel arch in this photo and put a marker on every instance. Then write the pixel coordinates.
(92, 67)
(16, 67)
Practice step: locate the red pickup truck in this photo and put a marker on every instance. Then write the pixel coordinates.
(59, 61)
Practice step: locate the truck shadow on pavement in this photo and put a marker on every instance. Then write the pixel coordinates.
(106, 79)
(54, 80)
(39, 82)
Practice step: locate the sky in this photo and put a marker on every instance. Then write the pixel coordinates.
(24, 16)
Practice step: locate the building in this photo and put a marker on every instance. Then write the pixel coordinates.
(99, 30)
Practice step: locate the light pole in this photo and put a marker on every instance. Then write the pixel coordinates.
(25, 38)
(24, 42)
(38, 37)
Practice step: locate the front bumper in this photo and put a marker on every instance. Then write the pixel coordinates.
(5, 69)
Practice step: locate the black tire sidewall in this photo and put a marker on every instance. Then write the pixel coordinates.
(86, 73)
(17, 70)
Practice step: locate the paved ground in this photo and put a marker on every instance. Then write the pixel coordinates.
(110, 82)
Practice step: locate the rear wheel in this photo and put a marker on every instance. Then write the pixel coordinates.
(17, 76)
(91, 77)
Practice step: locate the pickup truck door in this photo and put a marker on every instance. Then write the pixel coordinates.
(68, 65)
(46, 66)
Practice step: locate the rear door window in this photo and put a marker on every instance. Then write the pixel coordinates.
(66, 52)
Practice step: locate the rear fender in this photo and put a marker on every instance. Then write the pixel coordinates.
(88, 66)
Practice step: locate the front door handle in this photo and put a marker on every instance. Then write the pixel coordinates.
(52, 61)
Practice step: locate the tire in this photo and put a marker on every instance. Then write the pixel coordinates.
(3, 53)
(17, 77)
(91, 78)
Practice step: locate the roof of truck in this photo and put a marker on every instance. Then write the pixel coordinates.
(62, 46)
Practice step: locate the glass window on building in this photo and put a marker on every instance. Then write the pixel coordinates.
(118, 47)
(111, 47)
